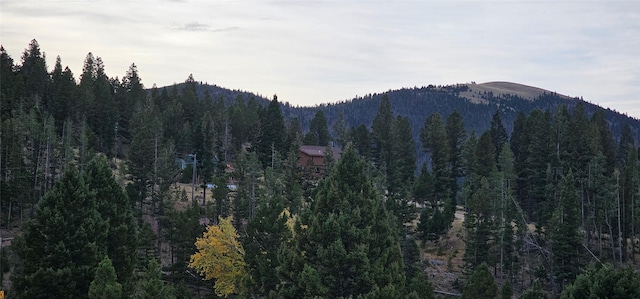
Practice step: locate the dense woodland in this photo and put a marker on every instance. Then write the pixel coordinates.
(98, 208)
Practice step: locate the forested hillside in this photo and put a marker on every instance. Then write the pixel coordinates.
(415, 103)
(111, 190)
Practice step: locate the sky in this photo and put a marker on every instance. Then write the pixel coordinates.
(312, 52)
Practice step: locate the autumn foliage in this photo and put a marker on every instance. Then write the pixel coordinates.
(220, 256)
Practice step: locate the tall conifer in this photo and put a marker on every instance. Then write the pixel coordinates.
(382, 130)
(61, 248)
(346, 243)
(273, 134)
(456, 137)
(113, 205)
(565, 234)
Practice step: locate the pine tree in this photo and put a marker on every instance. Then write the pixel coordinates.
(434, 141)
(536, 166)
(581, 145)
(318, 131)
(206, 143)
(220, 194)
(433, 223)
(102, 113)
(628, 188)
(485, 164)
(63, 98)
(340, 130)
(181, 229)
(401, 172)
(565, 235)
(519, 144)
(456, 137)
(627, 142)
(346, 243)
(480, 285)
(34, 72)
(423, 187)
(382, 136)
(420, 287)
(479, 226)
(254, 121)
(481, 196)
(113, 205)
(11, 89)
(604, 281)
(222, 150)
(238, 122)
(184, 142)
(294, 134)
(61, 248)
(509, 216)
(14, 173)
(404, 157)
(498, 134)
(264, 236)
(604, 138)
(293, 190)
(134, 94)
(506, 292)
(362, 141)
(273, 134)
(535, 292)
(469, 154)
(145, 131)
(189, 99)
(104, 285)
(172, 119)
(151, 286)
(247, 174)
(601, 207)
(561, 130)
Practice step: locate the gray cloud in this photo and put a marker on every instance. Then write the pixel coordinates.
(320, 51)
(232, 28)
(193, 26)
(200, 27)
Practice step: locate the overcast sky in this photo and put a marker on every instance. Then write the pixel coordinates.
(311, 52)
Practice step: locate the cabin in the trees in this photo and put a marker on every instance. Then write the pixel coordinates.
(311, 158)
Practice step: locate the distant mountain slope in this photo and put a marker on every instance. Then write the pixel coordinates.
(216, 91)
(230, 94)
(475, 102)
(418, 103)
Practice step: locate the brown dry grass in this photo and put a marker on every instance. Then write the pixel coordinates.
(443, 259)
(198, 194)
(502, 88)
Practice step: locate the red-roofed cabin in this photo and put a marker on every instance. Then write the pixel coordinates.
(311, 158)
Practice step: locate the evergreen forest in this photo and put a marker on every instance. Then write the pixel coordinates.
(109, 189)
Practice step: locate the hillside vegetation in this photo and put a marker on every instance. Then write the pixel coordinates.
(112, 190)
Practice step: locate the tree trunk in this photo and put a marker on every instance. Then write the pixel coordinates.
(620, 236)
(613, 247)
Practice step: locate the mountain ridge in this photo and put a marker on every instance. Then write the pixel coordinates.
(475, 102)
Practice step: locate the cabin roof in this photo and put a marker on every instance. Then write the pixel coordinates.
(318, 150)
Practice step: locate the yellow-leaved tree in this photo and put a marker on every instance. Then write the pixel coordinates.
(220, 256)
